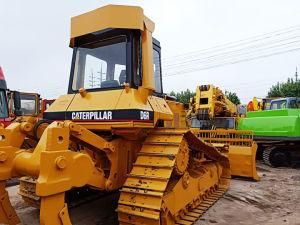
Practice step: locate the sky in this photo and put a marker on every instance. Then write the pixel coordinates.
(34, 40)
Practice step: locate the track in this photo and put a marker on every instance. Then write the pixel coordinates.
(266, 155)
(12, 182)
(175, 179)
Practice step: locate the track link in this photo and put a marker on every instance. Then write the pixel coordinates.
(145, 195)
(141, 197)
(193, 215)
(266, 155)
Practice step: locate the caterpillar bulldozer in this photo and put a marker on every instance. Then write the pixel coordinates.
(213, 118)
(114, 130)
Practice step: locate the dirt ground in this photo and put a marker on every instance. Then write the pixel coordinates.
(275, 200)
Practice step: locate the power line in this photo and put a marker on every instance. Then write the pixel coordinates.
(239, 42)
(229, 63)
(246, 50)
(229, 57)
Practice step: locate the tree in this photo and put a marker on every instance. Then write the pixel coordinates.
(290, 88)
(232, 96)
(183, 96)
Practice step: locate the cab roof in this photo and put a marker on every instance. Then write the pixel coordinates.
(110, 17)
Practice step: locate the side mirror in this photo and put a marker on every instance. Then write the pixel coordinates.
(17, 104)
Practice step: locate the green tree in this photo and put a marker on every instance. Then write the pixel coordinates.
(232, 96)
(290, 88)
(183, 96)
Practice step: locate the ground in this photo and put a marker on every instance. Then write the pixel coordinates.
(275, 200)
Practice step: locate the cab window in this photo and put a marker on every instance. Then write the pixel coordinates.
(101, 64)
(3, 105)
(28, 104)
(157, 71)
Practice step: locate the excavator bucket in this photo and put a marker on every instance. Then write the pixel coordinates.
(241, 149)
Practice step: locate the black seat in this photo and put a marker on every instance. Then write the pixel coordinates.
(109, 84)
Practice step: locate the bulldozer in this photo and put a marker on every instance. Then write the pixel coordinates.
(15, 104)
(210, 109)
(213, 118)
(115, 129)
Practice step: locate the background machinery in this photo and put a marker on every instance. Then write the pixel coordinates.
(258, 104)
(277, 131)
(211, 109)
(4, 115)
(111, 133)
(213, 118)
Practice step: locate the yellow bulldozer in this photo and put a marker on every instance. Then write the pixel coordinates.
(213, 118)
(210, 109)
(114, 130)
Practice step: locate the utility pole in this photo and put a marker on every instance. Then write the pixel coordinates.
(94, 80)
(296, 75)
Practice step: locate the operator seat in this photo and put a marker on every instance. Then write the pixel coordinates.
(109, 84)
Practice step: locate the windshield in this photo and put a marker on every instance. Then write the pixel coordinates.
(279, 104)
(3, 105)
(100, 64)
(28, 104)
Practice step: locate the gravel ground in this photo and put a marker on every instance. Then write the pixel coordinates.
(275, 200)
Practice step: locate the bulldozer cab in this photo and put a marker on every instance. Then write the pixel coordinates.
(111, 62)
(115, 60)
(23, 104)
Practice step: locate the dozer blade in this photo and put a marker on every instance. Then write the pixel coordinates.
(243, 161)
(241, 149)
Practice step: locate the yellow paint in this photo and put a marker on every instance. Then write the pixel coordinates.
(109, 17)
